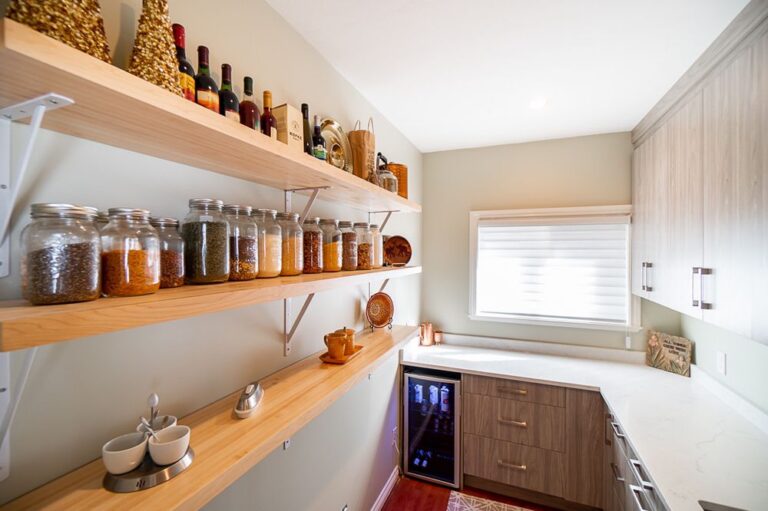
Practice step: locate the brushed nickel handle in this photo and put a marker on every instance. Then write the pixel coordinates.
(648, 266)
(700, 272)
(616, 430)
(637, 493)
(616, 473)
(643, 275)
(512, 422)
(639, 469)
(520, 392)
(513, 466)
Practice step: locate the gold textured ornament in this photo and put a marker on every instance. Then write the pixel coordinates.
(77, 23)
(154, 52)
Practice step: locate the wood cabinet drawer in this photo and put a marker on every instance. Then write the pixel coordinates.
(518, 465)
(515, 421)
(513, 389)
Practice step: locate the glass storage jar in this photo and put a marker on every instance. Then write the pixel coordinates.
(377, 244)
(332, 249)
(101, 220)
(270, 243)
(364, 246)
(243, 243)
(349, 246)
(313, 246)
(293, 244)
(171, 252)
(61, 255)
(130, 254)
(206, 242)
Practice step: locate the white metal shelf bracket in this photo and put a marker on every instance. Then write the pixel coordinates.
(289, 333)
(10, 396)
(288, 199)
(386, 218)
(11, 179)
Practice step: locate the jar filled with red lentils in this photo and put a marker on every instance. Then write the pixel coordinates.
(130, 254)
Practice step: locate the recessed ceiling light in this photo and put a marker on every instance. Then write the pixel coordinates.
(538, 103)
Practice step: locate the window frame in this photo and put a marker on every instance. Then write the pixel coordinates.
(475, 217)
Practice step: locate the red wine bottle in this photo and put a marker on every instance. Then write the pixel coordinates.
(229, 105)
(307, 131)
(249, 112)
(186, 71)
(268, 121)
(206, 91)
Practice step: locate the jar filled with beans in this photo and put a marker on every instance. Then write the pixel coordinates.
(206, 242)
(130, 257)
(292, 244)
(348, 246)
(332, 245)
(243, 243)
(313, 246)
(364, 246)
(377, 244)
(171, 252)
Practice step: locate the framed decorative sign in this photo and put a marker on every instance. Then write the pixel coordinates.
(669, 353)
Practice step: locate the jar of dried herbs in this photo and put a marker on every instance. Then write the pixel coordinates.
(364, 246)
(348, 246)
(61, 255)
(293, 244)
(130, 254)
(243, 243)
(377, 245)
(205, 231)
(270, 243)
(171, 252)
(313, 246)
(332, 246)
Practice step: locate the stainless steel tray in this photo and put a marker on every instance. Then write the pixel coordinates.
(147, 475)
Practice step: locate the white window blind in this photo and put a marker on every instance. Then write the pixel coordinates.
(554, 267)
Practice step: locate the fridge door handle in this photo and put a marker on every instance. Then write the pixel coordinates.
(512, 422)
(513, 466)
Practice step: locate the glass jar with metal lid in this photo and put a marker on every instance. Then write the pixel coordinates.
(206, 242)
(377, 244)
(332, 245)
(101, 220)
(270, 243)
(348, 246)
(130, 254)
(61, 255)
(171, 251)
(313, 246)
(364, 246)
(243, 243)
(293, 244)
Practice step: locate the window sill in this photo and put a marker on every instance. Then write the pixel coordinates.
(584, 325)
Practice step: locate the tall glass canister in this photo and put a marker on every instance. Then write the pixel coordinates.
(364, 246)
(377, 244)
(270, 243)
(348, 246)
(171, 252)
(206, 242)
(332, 245)
(293, 244)
(130, 256)
(243, 243)
(313, 246)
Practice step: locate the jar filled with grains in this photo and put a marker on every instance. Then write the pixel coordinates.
(364, 246)
(206, 242)
(130, 254)
(270, 243)
(332, 249)
(313, 246)
(348, 246)
(377, 243)
(61, 255)
(293, 244)
(243, 243)
(171, 252)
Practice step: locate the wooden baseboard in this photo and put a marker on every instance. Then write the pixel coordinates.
(388, 486)
(522, 494)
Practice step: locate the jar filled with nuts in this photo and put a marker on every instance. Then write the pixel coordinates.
(364, 246)
(348, 246)
(332, 246)
(313, 246)
(243, 243)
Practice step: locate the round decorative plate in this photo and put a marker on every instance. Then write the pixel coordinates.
(339, 152)
(380, 310)
(397, 251)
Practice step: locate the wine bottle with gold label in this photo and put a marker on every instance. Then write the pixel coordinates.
(206, 91)
(268, 121)
(186, 71)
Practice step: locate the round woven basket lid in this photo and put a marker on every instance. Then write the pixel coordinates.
(380, 310)
(397, 251)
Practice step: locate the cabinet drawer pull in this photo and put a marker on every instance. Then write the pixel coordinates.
(647, 287)
(512, 422)
(616, 430)
(513, 466)
(643, 276)
(616, 473)
(698, 301)
(637, 495)
(639, 469)
(519, 392)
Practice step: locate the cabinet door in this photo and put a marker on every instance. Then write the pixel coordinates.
(640, 195)
(735, 194)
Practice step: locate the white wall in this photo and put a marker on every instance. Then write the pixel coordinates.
(81, 393)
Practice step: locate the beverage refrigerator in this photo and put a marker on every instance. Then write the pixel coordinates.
(432, 426)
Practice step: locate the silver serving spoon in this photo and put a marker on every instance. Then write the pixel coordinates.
(148, 428)
(153, 401)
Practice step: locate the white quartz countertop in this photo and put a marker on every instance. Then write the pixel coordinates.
(694, 445)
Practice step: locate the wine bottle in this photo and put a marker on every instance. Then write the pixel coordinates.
(318, 142)
(268, 121)
(307, 131)
(229, 105)
(249, 112)
(206, 91)
(186, 71)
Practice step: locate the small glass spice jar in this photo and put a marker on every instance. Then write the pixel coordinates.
(348, 246)
(270, 243)
(313, 246)
(293, 244)
(332, 249)
(61, 255)
(377, 244)
(171, 251)
(364, 246)
(206, 242)
(130, 254)
(243, 243)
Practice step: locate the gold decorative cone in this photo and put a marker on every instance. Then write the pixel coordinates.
(77, 23)
(154, 52)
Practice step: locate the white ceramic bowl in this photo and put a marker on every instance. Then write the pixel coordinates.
(171, 444)
(124, 453)
(158, 422)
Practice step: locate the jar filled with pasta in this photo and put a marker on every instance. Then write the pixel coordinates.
(293, 244)
(364, 246)
(377, 244)
(313, 246)
(243, 243)
(270, 243)
(332, 245)
(348, 246)
(130, 256)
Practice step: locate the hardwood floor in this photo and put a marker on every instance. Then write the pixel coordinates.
(413, 495)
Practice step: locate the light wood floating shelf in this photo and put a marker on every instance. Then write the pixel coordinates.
(226, 447)
(25, 326)
(116, 108)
